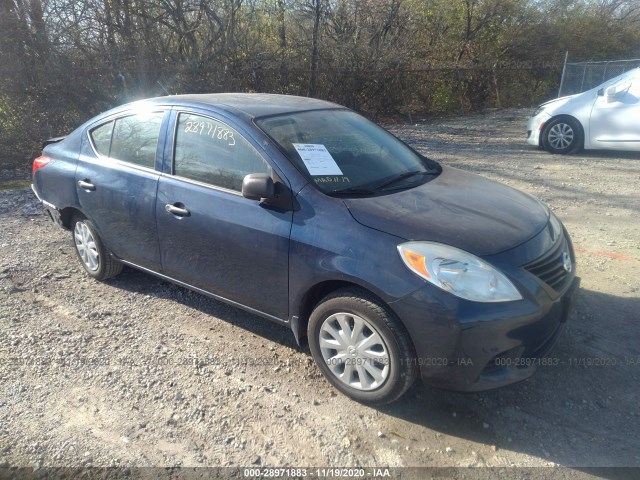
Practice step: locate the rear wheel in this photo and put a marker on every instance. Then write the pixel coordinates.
(562, 135)
(91, 252)
(361, 348)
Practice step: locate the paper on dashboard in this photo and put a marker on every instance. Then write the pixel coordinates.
(317, 159)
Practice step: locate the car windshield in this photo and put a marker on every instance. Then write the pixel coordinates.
(625, 77)
(345, 154)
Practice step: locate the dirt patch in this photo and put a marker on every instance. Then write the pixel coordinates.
(139, 372)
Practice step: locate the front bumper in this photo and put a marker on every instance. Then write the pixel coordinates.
(471, 346)
(534, 128)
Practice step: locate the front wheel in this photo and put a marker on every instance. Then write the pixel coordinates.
(361, 348)
(91, 252)
(562, 135)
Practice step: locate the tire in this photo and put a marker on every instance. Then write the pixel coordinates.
(93, 255)
(378, 365)
(563, 135)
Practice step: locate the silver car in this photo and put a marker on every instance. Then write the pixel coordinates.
(605, 117)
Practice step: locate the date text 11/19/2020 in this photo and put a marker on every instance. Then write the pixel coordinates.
(419, 361)
(324, 472)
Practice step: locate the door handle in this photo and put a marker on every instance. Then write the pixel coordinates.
(86, 185)
(177, 210)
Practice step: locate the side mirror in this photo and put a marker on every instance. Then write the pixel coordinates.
(601, 92)
(257, 186)
(610, 93)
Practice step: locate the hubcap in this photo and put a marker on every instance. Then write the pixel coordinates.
(354, 351)
(560, 136)
(86, 246)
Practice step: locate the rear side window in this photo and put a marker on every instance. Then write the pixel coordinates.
(132, 139)
(212, 152)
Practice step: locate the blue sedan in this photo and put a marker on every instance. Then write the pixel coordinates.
(389, 265)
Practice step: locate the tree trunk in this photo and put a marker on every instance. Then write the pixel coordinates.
(313, 78)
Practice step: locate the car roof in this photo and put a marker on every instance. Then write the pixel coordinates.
(247, 105)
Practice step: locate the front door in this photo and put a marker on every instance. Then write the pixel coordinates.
(615, 120)
(211, 237)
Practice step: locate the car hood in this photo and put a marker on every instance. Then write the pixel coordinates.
(558, 101)
(457, 208)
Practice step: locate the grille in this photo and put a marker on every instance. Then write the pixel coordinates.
(550, 267)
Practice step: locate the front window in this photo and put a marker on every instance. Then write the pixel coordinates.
(212, 152)
(343, 153)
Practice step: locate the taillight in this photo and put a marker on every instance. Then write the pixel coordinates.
(39, 163)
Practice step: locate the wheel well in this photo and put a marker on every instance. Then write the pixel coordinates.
(66, 214)
(311, 299)
(317, 293)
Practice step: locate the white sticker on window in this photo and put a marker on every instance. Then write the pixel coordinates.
(317, 159)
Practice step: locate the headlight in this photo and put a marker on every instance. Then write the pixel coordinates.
(457, 272)
(556, 226)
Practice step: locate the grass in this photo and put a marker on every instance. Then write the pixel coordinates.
(14, 184)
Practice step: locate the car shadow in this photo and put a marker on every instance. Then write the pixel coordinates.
(609, 154)
(136, 281)
(582, 411)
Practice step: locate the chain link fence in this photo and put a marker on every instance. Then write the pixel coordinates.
(582, 76)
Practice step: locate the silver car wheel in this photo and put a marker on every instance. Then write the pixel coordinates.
(86, 246)
(354, 351)
(560, 136)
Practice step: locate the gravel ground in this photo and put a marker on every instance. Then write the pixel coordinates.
(139, 372)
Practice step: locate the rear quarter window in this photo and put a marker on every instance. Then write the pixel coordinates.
(101, 138)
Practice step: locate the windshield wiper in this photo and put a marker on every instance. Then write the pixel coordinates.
(375, 189)
(403, 176)
(352, 191)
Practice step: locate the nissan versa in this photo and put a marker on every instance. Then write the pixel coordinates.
(387, 263)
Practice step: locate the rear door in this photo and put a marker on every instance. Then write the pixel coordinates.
(117, 180)
(211, 237)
